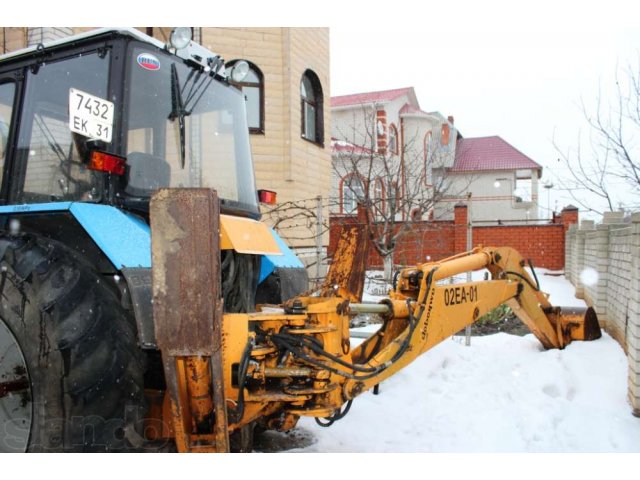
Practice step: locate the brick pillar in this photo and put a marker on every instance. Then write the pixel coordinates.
(596, 256)
(613, 218)
(362, 214)
(633, 328)
(578, 254)
(569, 246)
(569, 216)
(460, 227)
(381, 131)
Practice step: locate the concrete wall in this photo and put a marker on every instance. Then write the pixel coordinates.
(609, 254)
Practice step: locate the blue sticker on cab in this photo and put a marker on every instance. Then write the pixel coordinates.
(148, 61)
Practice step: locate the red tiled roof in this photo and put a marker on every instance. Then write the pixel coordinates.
(345, 147)
(369, 97)
(489, 153)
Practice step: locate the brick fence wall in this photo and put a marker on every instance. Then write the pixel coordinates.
(604, 266)
(435, 240)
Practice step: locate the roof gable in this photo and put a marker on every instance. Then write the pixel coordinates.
(411, 109)
(373, 97)
(490, 153)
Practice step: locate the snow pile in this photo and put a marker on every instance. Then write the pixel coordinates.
(504, 393)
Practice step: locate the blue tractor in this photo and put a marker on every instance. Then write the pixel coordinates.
(90, 127)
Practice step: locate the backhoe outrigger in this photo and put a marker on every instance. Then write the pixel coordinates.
(296, 360)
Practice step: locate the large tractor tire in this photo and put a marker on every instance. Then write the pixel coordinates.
(71, 374)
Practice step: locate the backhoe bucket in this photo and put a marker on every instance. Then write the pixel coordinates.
(347, 271)
(579, 323)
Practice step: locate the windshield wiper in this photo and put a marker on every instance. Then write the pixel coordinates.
(182, 109)
(178, 109)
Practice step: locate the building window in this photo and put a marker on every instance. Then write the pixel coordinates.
(311, 97)
(428, 160)
(352, 192)
(393, 139)
(253, 89)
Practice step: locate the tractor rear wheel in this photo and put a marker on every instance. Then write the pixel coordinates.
(71, 374)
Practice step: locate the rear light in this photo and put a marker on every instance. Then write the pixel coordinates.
(105, 162)
(267, 196)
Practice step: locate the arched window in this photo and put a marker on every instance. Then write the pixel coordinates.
(393, 139)
(352, 191)
(428, 160)
(253, 89)
(311, 99)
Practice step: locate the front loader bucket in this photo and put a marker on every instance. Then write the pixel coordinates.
(579, 323)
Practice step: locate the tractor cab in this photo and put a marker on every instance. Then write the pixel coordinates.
(111, 116)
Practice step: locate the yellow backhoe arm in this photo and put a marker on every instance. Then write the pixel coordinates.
(227, 371)
(424, 311)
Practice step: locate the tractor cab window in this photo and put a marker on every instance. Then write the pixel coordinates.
(7, 92)
(185, 129)
(51, 154)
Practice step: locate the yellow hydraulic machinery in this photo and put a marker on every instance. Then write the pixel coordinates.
(227, 372)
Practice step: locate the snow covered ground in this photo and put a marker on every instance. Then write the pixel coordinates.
(504, 393)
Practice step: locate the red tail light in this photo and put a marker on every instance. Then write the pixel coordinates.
(105, 162)
(267, 196)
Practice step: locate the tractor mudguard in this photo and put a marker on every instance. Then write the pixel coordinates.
(122, 237)
(281, 276)
(126, 239)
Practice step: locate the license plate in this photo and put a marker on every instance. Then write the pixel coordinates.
(90, 116)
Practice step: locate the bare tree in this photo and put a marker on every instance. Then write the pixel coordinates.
(393, 187)
(303, 222)
(610, 170)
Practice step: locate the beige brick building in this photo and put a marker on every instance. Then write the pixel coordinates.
(290, 141)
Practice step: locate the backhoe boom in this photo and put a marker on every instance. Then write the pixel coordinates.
(282, 362)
